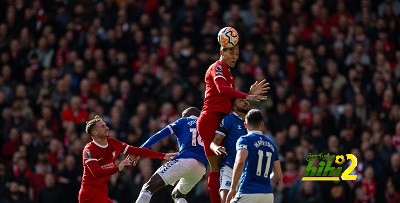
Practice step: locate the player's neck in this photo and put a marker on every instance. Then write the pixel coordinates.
(223, 61)
(241, 115)
(101, 141)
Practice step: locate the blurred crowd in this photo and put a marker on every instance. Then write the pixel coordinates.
(333, 67)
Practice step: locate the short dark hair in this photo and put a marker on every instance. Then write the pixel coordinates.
(254, 118)
(191, 111)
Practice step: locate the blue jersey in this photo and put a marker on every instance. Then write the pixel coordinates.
(259, 163)
(231, 127)
(189, 142)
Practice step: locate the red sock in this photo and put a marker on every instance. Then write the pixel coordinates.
(213, 187)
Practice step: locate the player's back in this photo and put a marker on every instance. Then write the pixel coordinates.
(213, 101)
(189, 142)
(259, 163)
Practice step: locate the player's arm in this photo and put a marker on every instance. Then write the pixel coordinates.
(97, 171)
(259, 88)
(165, 132)
(227, 91)
(144, 152)
(240, 160)
(277, 172)
(220, 134)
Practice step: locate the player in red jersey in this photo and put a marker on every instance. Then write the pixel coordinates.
(99, 158)
(217, 102)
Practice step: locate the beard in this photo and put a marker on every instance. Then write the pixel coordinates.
(244, 110)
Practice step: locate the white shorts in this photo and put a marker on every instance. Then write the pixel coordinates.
(254, 198)
(187, 171)
(225, 178)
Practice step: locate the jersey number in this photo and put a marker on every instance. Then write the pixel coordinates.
(259, 164)
(196, 139)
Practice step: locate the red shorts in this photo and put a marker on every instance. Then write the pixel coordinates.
(94, 197)
(207, 124)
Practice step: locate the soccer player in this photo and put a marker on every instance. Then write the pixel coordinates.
(99, 158)
(259, 157)
(231, 128)
(217, 103)
(188, 167)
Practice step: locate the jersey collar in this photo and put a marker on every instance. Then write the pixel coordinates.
(193, 117)
(99, 145)
(257, 132)
(234, 113)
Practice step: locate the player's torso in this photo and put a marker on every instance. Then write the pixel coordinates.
(236, 130)
(190, 142)
(213, 101)
(105, 156)
(258, 167)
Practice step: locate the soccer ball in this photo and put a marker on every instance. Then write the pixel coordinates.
(228, 37)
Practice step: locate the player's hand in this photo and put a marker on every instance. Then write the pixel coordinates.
(134, 159)
(256, 97)
(259, 88)
(169, 156)
(218, 150)
(124, 163)
(231, 195)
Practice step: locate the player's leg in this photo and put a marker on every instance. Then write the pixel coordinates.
(207, 124)
(225, 182)
(165, 175)
(193, 172)
(254, 198)
(155, 183)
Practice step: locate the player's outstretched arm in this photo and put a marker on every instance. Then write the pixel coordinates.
(165, 132)
(97, 171)
(214, 146)
(277, 172)
(224, 89)
(240, 160)
(259, 88)
(143, 152)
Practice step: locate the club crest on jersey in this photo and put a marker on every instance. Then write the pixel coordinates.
(113, 154)
(87, 154)
(219, 68)
(222, 123)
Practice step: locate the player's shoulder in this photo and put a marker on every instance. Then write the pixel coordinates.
(218, 66)
(228, 116)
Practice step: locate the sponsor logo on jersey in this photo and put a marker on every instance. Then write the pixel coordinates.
(110, 165)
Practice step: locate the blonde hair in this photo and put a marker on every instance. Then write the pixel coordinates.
(91, 123)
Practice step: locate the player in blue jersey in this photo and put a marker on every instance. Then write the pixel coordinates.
(256, 157)
(231, 128)
(188, 167)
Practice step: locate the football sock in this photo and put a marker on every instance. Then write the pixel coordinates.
(180, 200)
(213, 187)
(144, 196)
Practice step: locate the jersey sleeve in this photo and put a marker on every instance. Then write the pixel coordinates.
(165, 132)
(227, 91)
(224, 126)
(241, 144)
(88, 156)
(97, 171)
(143, 152)
(218, 72)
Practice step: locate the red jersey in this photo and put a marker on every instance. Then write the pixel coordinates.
(99, 162)
(219, 94)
